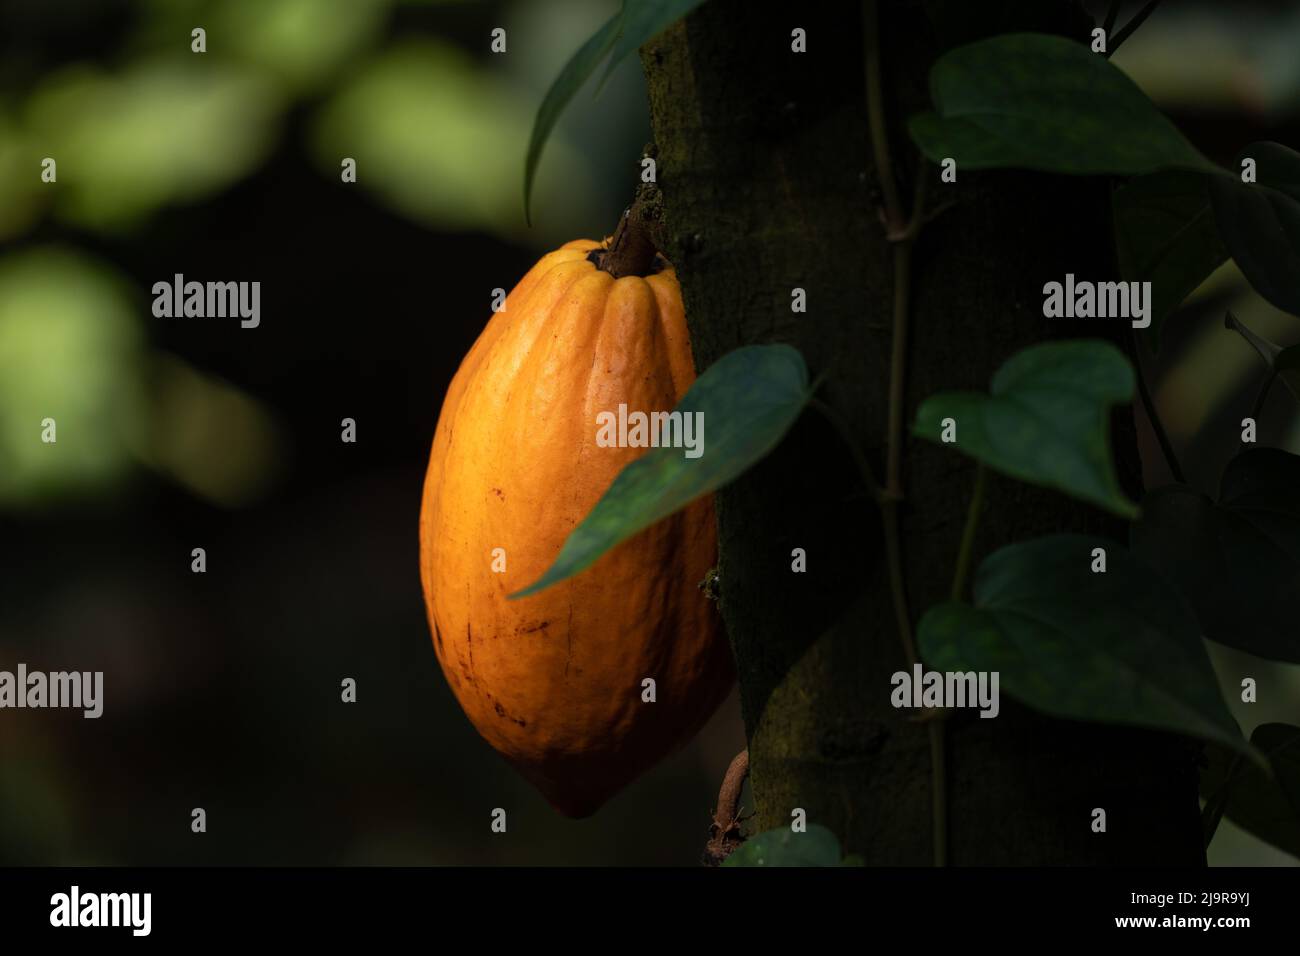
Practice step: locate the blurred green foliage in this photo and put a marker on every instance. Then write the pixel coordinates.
(70, 350)
(20, 198)
(301, 42)
(438, 130)
(164, 131)
(441, 141)
(211, 437)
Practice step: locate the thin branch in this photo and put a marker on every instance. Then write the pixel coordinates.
(860, 459)
(966, 551)
(876, 116)
(1130, 28)
(902, 230)
(1112, 17)
(894, 450)
(919, 217)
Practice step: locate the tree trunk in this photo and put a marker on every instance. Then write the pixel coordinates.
(764, 161)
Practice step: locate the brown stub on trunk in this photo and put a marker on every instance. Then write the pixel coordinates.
(725, 834)
(631, 251)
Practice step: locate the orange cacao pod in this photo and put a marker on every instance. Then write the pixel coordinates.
(553, 680)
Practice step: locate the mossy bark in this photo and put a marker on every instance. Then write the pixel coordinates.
(767, 181)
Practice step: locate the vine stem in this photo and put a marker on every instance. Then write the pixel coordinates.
(965, 553)
(903, 234)
(893, 496)
(1130, 28)
(864, 467)
(1153, 416)
(876, 116)
(1112, 17)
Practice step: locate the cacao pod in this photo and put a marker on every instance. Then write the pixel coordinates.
(553, 680)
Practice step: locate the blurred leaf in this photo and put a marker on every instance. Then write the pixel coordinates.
(1034, 101)
(643, 20)
(749, 399)
(1113, 647)
(1046, 420)
(636, 22)
(70, 350)
(165, 131)
(210, 437)
(817, 846)
(437, 139)
(1236, 562)
(575, 73)
(1260, 222)
(1165, 234)
(37, 825)
(1268, 807)
(22, 194)
(300, 41)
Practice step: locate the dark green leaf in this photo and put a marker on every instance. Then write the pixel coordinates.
(1276, 166)
(1046, 420)
(1034, 101)
(1236, 562)
(644, 20)
(749, 399)
(783, 847)
(1114, 647)
(1260, 222)
(1268, 807)
(570, 80)
(1165, 234)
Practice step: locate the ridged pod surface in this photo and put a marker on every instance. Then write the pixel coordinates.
(553, 681)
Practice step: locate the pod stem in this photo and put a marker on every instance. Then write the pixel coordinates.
(632, 250)
(725, 832)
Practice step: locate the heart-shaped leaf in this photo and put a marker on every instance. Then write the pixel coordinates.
(1236, 562)
(1267, 806)
(1260, 222)
(1117, 646)
(1036, 101)
(817, 846)
(1165, 234)
(747, 400)
(1045, 421)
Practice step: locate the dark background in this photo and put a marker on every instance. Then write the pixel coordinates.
(223, 689)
